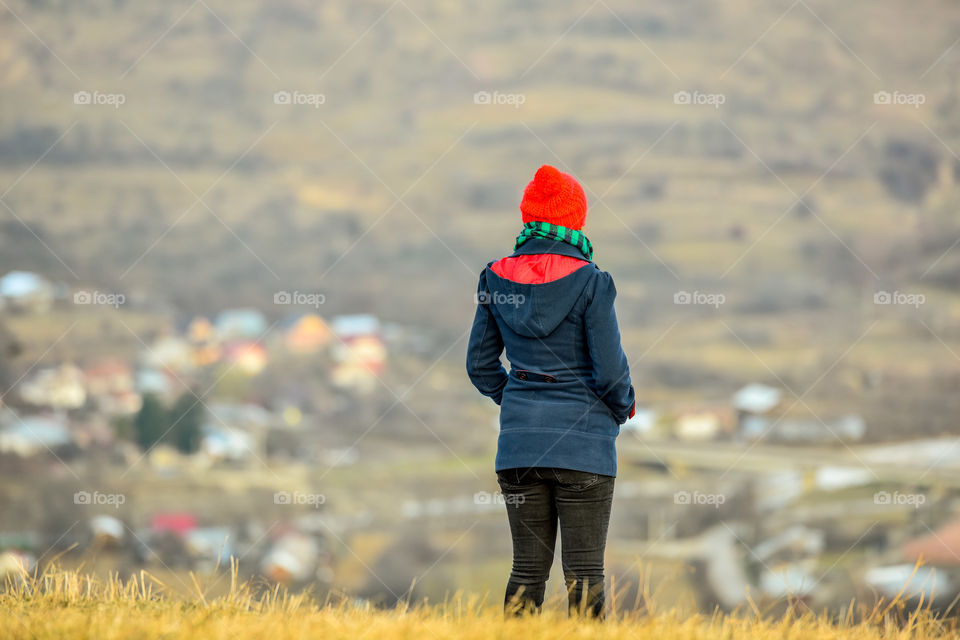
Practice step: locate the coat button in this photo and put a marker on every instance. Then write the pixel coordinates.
(522, 375)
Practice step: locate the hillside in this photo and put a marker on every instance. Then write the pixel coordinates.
(386, 184)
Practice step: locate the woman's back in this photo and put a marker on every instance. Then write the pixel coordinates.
(569, 388)
(562, 403)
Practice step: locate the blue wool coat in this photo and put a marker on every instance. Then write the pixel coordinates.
(569, 387)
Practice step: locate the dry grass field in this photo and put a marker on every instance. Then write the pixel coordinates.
(69, 605)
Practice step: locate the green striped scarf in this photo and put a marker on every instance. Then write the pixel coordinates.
(555, 232)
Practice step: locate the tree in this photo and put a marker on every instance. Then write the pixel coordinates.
(151, 422)
(186, 419)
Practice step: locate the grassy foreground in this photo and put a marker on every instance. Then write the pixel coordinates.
(69, 605)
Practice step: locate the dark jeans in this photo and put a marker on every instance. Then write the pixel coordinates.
(539, 498)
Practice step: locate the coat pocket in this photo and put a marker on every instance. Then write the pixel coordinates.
(522, 412)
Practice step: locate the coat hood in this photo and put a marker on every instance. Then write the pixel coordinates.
(535, 310)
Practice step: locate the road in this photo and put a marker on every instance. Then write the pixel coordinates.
(936, 463)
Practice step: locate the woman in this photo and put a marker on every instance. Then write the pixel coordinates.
(567, 393)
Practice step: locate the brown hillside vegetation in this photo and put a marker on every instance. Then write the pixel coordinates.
(798, 198)
(69, 605)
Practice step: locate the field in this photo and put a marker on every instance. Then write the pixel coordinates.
(62, 604)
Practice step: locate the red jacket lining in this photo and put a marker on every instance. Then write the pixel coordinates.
(537, 268)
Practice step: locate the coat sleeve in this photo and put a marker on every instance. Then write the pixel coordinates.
(484, 368)
(611, 371)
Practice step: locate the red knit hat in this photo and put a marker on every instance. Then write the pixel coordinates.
(555, 197)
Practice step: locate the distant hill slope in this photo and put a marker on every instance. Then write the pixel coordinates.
(375, 152)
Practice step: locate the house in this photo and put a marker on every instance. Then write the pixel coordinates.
(352, 326)
(235, 431)
(247, 356)
(107, 376)
(221, 443)
(110, 384)
(307, 334)
(169, 352)
(211, 545)
(205, 355)
(909, 582)
(31, 435)
(240, 324)
(14, 563)
(107, 530)
(60, 387)
(291, 558)
(204, 342)
(360, 342)
(700, 425)
(156, 382)
(756, 399)
(754, 403)
(177, 523)
(360, 352)
(832, 478)
(792, 580)
(939, 548)
(200, 330)
(751, 427)
(642, 423)
(26, 292)
(367, 352)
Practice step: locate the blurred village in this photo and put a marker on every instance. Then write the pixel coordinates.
(122, 410)
(743, 495)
